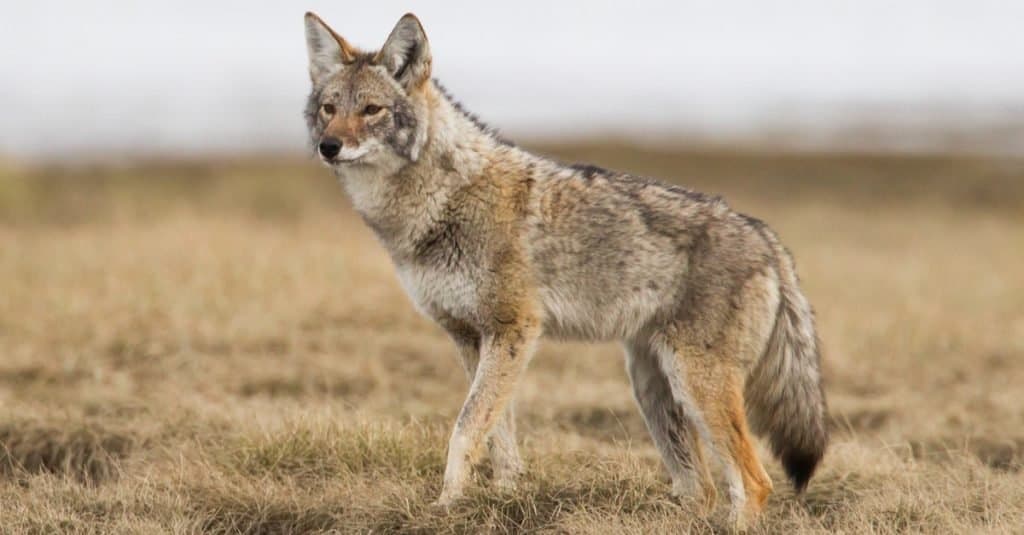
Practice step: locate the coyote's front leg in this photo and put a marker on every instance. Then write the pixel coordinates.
(504, 355)
(502, 443)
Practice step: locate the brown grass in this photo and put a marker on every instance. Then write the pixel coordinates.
(222, 347)
(88, 454)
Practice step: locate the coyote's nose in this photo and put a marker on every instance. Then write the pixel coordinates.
(329, 147)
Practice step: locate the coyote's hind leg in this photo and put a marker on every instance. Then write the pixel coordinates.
(716, 384)
(673, 423)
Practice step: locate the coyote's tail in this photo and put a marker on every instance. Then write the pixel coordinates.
(785, 400)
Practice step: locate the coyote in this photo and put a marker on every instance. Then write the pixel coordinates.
(501, 246)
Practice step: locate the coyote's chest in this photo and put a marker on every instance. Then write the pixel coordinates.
(438, 289)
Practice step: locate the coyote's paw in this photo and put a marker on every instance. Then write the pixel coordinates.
(702, 498)
(444, 503)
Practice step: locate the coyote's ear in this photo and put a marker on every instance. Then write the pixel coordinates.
(327, 49)
(406, 54)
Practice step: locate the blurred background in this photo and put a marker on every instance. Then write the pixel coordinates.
(108, 78)
(193, 319)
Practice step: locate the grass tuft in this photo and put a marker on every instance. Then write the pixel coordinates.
(87, 453)
(323, 450)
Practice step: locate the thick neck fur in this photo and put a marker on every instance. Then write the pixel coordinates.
(404, 204)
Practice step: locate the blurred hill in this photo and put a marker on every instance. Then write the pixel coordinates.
(283, 188)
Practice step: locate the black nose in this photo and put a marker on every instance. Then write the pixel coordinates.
(330, 147)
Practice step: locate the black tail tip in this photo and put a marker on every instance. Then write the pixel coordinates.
(799, 466)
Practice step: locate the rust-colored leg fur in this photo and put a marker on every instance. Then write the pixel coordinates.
(716, 385)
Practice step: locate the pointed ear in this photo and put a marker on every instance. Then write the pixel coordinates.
(406, 54)
(327, 49)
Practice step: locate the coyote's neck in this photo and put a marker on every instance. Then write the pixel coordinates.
(404, 206)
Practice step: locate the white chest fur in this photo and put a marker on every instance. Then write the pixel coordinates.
(435, 290)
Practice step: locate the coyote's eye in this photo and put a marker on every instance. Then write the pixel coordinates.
(372, 109)
(328, 109)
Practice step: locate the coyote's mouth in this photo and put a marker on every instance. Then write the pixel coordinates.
(338, 162)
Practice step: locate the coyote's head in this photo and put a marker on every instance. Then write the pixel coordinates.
(365, 110)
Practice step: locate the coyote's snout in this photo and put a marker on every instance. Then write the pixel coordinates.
(501, 247)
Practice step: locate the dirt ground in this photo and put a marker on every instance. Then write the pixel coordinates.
(222, 346)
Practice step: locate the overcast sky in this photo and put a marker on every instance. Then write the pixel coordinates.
(203, 76)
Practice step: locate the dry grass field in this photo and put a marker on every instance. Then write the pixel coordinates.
(222, 347)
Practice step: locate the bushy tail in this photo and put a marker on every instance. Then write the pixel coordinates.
(785, 400)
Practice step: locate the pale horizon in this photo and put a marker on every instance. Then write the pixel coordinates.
(200, 78)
